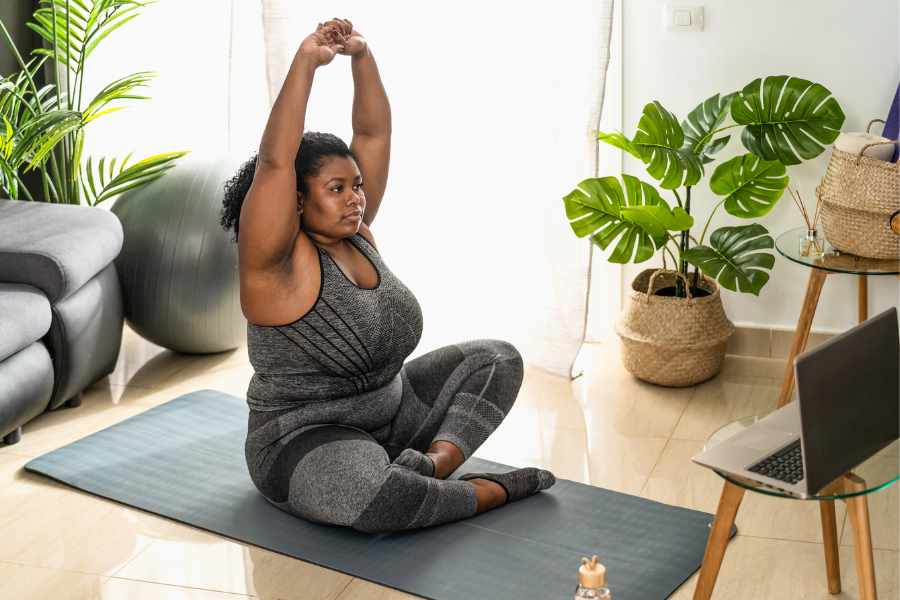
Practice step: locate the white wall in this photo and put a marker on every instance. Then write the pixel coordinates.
(489, 135)
(850, 48)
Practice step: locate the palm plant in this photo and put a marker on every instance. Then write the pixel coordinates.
(786, 120)
(44, 129)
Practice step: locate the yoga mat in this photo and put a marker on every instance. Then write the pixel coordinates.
(184, 460)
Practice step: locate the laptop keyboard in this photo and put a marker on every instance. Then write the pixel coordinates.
(785, 465)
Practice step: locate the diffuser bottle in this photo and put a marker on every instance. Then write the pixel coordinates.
(591, 580)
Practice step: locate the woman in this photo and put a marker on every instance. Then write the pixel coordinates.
(341, 431)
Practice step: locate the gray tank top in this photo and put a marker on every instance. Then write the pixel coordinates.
(352, 341)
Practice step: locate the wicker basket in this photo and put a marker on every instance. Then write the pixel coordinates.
(675, 342)
(860, 198)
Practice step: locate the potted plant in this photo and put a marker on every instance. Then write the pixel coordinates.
(677, 335)
(44, 129)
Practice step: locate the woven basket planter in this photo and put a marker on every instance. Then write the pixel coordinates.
(860, 199)
(675, 342)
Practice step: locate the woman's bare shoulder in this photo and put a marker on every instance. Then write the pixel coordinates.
(284, 294)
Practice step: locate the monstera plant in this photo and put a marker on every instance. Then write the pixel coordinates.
(785, 121)
(43, 129)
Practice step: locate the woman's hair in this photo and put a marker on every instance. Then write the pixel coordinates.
(315, 149)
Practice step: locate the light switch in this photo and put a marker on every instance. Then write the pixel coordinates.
(683, 17)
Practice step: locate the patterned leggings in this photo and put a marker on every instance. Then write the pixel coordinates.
(330, 462)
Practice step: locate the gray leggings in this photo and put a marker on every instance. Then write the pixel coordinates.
(330, 461)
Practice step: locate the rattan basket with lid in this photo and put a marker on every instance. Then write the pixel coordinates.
(675, 342)
(860, 202)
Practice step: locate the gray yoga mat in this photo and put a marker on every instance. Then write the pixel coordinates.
(184, 460)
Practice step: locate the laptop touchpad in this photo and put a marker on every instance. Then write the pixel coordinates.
(763, 438)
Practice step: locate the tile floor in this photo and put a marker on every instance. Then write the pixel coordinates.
(605, 428)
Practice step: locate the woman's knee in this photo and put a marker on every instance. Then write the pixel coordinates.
(502, 354)
(508, 370)
(398, 502)
(336, 482)
(503, 350)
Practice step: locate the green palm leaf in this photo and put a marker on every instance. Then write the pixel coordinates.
(701, 122)
(659, 141)
(42, 133)
(8, 180)
(79, 27)
(17, 103)
(6, 139)
(118, 90)
(599, 210)
(751, 185)
(733, 257)
(126, 178)
(787, 119)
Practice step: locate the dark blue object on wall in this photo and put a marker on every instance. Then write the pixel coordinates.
(892, 124)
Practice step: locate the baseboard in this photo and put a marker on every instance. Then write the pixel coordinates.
(770, 343)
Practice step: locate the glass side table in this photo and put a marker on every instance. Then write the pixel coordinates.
(877, 473)
(788, 245)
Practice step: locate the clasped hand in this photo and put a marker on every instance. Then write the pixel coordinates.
(333, 37)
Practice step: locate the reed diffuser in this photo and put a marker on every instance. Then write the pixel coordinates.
(811, 245)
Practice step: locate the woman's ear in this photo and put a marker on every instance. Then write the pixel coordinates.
(299, 203)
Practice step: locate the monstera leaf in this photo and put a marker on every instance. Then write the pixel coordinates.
(751, 186)
(657, 220)
(787, 119)
(619, 141)
(733, 259)
(659, 141)
(599, 209)
(701, 122)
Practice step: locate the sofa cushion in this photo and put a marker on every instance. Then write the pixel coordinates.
(26, 381)
(56, 248)
(24, 317)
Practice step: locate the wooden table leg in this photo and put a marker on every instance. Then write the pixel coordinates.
(813, 289)
(729, 502)
(829, 536)
(858, 509)
(863, 297)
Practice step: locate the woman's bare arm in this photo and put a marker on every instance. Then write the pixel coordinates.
(269, 223)
(371, 141)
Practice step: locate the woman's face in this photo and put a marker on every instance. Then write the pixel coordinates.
(335, 204)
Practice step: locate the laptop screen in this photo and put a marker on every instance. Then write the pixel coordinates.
(849, 395)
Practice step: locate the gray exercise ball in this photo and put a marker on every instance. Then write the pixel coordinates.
(178, 267)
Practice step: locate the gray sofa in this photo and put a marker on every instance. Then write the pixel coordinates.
(63, 254)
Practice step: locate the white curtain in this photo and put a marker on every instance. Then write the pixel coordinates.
(492, 106)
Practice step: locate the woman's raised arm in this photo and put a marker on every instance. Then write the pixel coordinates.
(371, 142)
(269, 223)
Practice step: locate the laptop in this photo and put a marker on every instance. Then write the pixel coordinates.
(847, 409)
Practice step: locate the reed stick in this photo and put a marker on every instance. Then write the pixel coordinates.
(801, 205)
